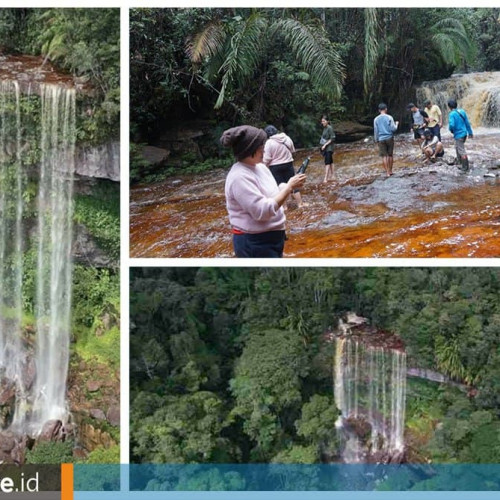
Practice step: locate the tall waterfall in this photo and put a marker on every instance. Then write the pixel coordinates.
(477, 93)
(370, 387)
(43, 398)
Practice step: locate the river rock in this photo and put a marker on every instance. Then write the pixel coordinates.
(97, 414)
(18, 454)
(7, 441)
(113, 415)
(29, 373)
(51, 431)
(351, 131)
(91, 437)
(93, 385)
(154, 155)
(7, 392)
(86, 251)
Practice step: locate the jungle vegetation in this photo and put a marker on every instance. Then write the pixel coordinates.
(231, 365)
(289, 66)
(84, 42)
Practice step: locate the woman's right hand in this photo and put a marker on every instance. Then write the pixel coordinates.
(297, 181)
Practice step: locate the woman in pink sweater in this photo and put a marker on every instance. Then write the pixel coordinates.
(253, 199)
(278, 157)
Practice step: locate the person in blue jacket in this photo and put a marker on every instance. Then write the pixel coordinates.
(459, 126)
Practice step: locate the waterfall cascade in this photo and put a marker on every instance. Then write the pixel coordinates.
(477, 93)
(370, 386)
(35, 366)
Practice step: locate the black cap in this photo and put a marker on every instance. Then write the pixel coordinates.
(382, 106)
(270, 130)
(411, 105)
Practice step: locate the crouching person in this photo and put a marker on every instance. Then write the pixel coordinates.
(432, 147)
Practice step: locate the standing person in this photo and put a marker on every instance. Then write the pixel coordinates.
(278, 157)
(435, 118)
(326, 145)
(432, 147)
(459, 125)
(419, 119)
(253, 199)
(384, 127)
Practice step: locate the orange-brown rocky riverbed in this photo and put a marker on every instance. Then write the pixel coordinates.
(421, 211)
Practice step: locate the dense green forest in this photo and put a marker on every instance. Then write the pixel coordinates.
(231, 365)
(84, 42)
(290, 66)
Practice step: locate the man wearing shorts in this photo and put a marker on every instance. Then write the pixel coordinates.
(384, 128)
(419, 120)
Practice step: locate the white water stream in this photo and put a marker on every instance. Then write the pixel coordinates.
(44, 398)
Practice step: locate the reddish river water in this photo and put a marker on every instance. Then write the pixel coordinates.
(421, 211)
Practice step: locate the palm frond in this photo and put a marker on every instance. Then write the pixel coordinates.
(371, 48)
(207, 43)
(449, 37)
(244, 53)
(315, 53)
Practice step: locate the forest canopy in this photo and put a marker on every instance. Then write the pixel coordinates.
(231, 365)
(289, 66)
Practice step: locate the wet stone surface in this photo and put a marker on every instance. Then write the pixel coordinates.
(421, 211)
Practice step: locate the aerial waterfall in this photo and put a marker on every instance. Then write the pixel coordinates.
(41, 397)
(477, 93)
(370, 387)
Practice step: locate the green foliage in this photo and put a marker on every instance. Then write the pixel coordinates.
(95, 292)
(235, 361)
(103, 455)
(96, 299)
(186, 429)
(85, 42)
(267, 383)
(317, 425)
(51, 453)
(100, 214)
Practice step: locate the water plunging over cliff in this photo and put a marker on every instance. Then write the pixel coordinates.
(370, 387)
(40, 390)
(477, 93)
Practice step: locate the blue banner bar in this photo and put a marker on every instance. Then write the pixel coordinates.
(288, 478)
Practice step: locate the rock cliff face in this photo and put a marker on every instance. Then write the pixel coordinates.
(87, 252)
(102, 162)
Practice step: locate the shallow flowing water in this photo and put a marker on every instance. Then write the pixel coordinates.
(421, 211)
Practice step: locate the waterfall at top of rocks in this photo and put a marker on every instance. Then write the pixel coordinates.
(37, 379)
(477, 93)
(370, 387)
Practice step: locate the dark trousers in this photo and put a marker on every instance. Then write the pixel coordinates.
(436, 130)
(268, 244)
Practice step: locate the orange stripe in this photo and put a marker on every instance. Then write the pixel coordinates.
(66, 481)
